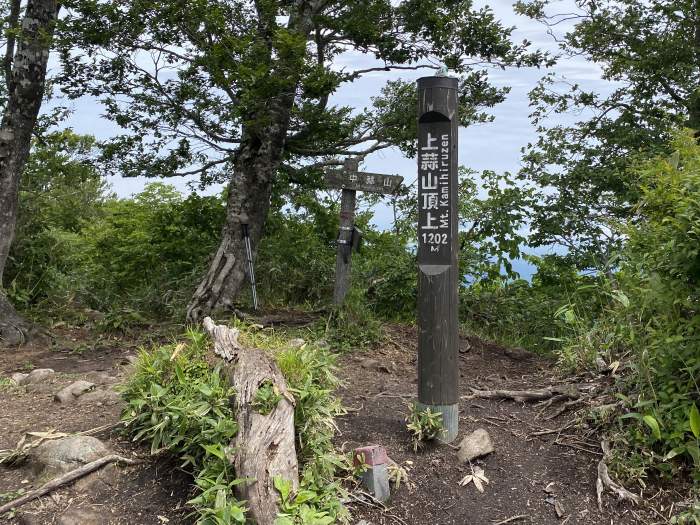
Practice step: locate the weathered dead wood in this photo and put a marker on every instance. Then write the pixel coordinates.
(524, 395)
(66, 478)
(605, 482)
(264, 447)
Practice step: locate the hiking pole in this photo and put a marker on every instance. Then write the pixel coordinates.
(249, 261)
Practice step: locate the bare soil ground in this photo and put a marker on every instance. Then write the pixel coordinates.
(528, 474)
(520, 470)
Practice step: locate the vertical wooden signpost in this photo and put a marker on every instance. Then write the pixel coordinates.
(438, 279)
(350, 181)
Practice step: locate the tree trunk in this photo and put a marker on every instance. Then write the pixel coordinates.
(264, 447)
(248, 203)
(25, 94)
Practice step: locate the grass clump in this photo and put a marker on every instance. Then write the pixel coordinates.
(179, 404)
(423, 424)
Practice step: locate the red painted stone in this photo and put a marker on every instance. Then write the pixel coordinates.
(371, 454)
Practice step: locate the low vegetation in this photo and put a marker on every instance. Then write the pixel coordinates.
(178, 404)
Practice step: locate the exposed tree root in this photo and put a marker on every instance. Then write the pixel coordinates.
(605, 482)
(14, 329)
(66, 478)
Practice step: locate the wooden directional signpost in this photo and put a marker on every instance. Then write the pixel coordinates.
(438, 279)
(350, 180)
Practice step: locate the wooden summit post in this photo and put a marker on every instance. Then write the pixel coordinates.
(438, 279)
(350, 181)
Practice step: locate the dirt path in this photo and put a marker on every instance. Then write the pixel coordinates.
(522, 467)
(149, 494)
(527, 473)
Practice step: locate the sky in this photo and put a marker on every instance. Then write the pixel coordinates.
(493, 146)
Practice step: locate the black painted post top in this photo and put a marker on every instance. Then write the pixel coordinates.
(435, 95)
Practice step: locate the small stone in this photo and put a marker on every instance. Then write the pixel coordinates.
(475, 445)
(363, 522)
(102, 397)
(56, 457)
(323, 344)
(37, 376)
(78, 516)
(18, 377)
(297, 343)
(369, 364)
(100, 378)
(73, 391)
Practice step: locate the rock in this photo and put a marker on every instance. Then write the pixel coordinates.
(37, 376)
(58, 456)
(369, 364)
(73, 391)
(18, 378)
(101, 397)
(296, 343)
(40, 388)
(363, 522)
(323, 344)
(84, 516)
(100, 378)
(475, 445)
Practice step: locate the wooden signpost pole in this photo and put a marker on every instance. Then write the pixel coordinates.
(347, 222)
(350, 181)
(438, 279)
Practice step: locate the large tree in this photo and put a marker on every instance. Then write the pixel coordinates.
(26, 47)
(240, 90)
(650, 52)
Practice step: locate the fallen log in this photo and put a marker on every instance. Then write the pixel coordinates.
(522, 396)
(264, 447)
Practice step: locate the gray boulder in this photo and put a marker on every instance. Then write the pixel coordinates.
(73, 391)
(58, 456)
(37, 376)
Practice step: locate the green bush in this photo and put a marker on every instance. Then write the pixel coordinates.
(60, 193)
(653, 320)
(148, 253)
(521, 313)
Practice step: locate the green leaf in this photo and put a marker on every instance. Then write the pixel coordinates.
(215, 450)
(694, 452)
(653, 424)
(695, 421)
(283, 486)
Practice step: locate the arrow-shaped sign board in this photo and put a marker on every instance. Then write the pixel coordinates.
(362, 181)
